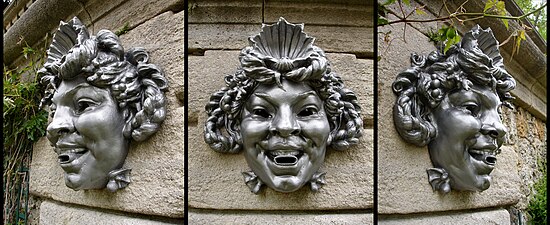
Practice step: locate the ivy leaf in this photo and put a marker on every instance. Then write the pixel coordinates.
(420, 12)
(505, 21)
(489, 4)
(389, 2)
(501, 8)
(407, 2)
(382, 21)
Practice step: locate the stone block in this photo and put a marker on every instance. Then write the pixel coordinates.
(163, 38)
(157, 163)
(113, 15)
(231, 11)
(402, 178)
(55, 213)
(344, 39)
(498, 216)
(315, 13)
(290, 218)
(206, 75)
(215, 180)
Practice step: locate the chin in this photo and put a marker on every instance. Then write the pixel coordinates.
(79, 182)
(286, 183)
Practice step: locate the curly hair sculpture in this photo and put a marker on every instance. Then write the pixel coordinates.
(136, 84)
(262, 65)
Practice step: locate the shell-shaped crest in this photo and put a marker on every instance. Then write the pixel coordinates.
(66, 37)
(485, 41)
(283, 40)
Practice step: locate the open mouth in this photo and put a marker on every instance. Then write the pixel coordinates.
(486, 156)
(285, 157)
(71, 155)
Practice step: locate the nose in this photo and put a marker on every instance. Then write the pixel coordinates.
(284, 123)
(61, 124)
(493, 127)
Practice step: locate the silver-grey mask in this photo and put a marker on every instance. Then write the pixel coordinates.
(284, 106)
(451, 102)
(100, 97)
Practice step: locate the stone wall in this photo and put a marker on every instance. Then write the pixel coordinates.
(156, 193)
(405, 196)
(218, 30)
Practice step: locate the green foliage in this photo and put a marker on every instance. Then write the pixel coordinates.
(537, 204)
(24, 123)
(447, 36)
(538, 19)
(124, 29)
(496, 7)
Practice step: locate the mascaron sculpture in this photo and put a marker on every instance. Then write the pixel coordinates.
(451, 102)
(283, 106)
(101, 97)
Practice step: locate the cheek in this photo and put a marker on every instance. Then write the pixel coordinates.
(253, 131)
(316, 130)
(458, 124)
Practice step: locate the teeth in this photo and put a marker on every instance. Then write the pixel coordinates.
(481, 152)
(278, 153)
(76, 150)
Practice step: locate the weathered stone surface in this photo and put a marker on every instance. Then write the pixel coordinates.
(206, 75)
(55, 213)
(235, 37)
(157, 164)
(43, 16)
(348, 14)
(163, 38)
(215, 180)
(113, 15)
(402, 178)
(290, 218)
(499, 216)
(229, 11)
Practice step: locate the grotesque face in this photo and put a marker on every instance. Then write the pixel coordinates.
(86, 132)
(469, 135)
(284, 132)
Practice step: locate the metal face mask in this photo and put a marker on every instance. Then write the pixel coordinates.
(451, 102)
(100, 98)
(283, 107)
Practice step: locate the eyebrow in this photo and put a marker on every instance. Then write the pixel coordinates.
(298, 98)
(485, 98)
(74, 89)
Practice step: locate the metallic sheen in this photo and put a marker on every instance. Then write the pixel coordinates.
(101, 97)
(284, 106)
(451, 102)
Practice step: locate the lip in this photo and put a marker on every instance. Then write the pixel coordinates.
(71, 156)
(287, 161)
(284, 157)
(484, 159)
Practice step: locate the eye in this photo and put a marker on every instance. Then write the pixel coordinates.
(261, 112)
(308, 112)
(83, 105)
(471, 108)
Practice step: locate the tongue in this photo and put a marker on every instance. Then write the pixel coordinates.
(285, 160)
